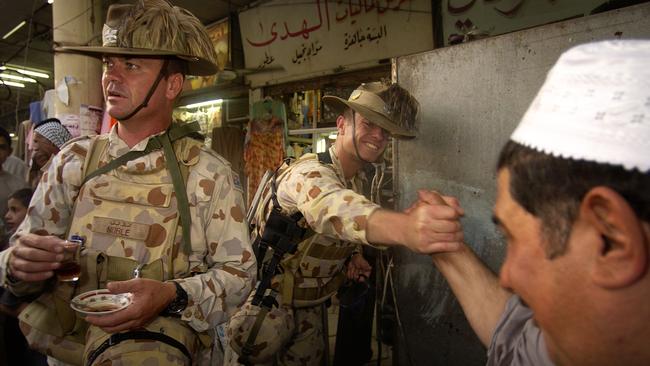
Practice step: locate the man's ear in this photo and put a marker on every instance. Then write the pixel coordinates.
(174, 85)
(623, 254)
(340, 124)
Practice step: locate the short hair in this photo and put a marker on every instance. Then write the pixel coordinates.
(5, 134)
(23, 195)
(175, 66)
(552, 188)
(348, 114)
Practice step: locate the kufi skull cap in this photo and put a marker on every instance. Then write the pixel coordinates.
(594, 106)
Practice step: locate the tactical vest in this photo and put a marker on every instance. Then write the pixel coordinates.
(130, 222)
(315, 272)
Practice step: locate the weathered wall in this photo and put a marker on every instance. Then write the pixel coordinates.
(472, 96)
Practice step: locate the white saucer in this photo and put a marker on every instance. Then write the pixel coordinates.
(100, 302)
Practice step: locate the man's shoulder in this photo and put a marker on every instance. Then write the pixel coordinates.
(13, 180)
(309, 166)
(308, 161)
(14, 161)
(211, 157)
(211, 165)
(78, 145)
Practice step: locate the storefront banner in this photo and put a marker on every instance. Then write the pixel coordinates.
(466, 20)
(302, 37)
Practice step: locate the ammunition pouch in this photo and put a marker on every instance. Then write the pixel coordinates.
(257, 333)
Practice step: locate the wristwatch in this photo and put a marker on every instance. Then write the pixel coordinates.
(178, 305)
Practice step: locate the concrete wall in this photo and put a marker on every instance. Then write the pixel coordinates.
(472, 96)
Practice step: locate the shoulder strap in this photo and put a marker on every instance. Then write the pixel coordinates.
(95, 150)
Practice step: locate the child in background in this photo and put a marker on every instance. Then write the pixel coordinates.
(16, 211)
(13, 347)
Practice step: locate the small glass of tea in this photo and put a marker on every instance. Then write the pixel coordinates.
(70, 267)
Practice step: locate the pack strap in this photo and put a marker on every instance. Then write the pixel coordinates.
(247, 349)
(118, 338)
(179, 188)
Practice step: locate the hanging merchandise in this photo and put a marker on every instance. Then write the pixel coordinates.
(228, 142)
(264, 146)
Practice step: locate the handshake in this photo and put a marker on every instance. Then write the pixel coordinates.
(435, 224)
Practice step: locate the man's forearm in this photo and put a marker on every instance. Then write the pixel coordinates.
(387, 227)
(477, 289)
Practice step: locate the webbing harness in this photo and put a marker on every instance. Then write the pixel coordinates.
(282, 234)
(118, 338)
(164, 141)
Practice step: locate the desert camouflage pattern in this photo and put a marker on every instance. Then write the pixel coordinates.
(337, 214)
(279, 320)
(131, 213)
(272, 347)
(306, 347)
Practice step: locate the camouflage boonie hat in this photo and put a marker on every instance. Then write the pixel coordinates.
(276, 329)
(389, 106)
(155, 28)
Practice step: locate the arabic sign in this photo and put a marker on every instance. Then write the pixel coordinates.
(464, 20)
(320, 35)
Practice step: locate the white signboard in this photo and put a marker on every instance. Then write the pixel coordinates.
(304, 37)
(464, 20)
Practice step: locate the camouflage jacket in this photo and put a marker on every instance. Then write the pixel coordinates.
(220, 244)
(336, 212)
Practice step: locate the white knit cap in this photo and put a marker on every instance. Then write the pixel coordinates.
(594, 106)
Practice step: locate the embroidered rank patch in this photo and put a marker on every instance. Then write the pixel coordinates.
(120, 228)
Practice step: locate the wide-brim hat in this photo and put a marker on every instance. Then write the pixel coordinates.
(153, 28)
(389, 106)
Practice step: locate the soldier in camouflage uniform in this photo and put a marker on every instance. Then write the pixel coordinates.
(188, 265)
(339, 218)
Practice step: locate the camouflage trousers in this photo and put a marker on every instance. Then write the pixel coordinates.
(306, 346)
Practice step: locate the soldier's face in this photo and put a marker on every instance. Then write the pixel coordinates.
(126, 82)
(371, 140)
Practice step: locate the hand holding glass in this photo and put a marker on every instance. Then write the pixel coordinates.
(70, 267)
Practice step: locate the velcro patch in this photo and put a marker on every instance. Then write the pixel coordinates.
(120, 228)
(236, 182)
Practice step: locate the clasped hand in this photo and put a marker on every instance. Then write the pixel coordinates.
(435, 223)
